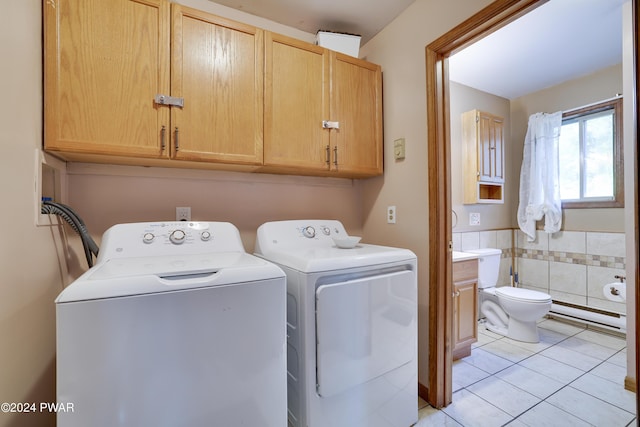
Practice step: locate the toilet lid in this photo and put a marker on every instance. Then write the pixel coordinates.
(523, 294)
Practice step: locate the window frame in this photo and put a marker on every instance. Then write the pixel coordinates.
(614, 104)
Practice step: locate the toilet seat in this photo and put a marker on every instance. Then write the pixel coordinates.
(523, 295)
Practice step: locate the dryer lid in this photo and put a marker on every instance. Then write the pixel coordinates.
(308, 246)
(522, 294)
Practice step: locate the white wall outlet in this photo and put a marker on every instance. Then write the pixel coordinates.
(183, 214)
(391, 214)
(474, 218)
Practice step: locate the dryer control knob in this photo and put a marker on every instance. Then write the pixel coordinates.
(205, 236)
(177, 237)
(309, 232)
(148, 237)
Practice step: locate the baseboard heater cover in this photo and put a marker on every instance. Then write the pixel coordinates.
(596, 317)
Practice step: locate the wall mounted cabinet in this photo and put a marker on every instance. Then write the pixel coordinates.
(153, 83)
(483, 148)
(323, 111)
(106, 63)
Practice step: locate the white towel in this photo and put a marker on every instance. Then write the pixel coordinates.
(539, 176)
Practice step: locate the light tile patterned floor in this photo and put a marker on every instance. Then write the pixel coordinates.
(572, 377)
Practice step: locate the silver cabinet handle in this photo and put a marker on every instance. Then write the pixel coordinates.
(163, 133)
(175, 139)
(335, 155)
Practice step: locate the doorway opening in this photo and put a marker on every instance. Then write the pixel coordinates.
(493, 17)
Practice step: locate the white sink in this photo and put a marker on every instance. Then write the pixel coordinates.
(462, 256)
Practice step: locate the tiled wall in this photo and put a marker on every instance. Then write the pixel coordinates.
(571, 266)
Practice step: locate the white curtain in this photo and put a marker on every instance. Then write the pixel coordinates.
(539, 176)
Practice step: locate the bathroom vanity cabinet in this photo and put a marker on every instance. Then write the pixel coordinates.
(465, 307)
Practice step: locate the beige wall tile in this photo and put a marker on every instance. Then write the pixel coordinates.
(568, 241)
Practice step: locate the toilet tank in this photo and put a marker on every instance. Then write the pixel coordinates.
(488, 266)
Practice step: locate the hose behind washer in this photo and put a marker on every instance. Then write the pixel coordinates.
(72, 218)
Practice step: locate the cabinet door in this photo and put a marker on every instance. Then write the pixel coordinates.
(465, 319)
(217, 67)
(356, 103)
(490, 145)
(296, 103)
(104, 62)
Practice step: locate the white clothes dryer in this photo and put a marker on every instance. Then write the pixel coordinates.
(351, 326)
(175, 325)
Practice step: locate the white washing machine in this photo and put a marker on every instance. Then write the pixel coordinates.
(351, 326)
(175, 325)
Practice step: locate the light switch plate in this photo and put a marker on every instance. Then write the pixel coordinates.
(398, 149)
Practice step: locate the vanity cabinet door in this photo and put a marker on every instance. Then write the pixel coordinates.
(465, 307)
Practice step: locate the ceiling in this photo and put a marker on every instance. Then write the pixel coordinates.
(362, 17)
(559, 41)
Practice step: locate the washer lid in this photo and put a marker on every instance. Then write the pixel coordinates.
(522, 294)
(122, 277)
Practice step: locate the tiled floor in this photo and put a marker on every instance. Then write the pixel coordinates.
(572, 377)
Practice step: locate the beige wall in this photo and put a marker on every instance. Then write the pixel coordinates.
(400, 49)
(593, 88)
(31, 276)
(105, 195)
(492, 216)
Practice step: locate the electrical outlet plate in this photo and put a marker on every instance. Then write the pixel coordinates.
(474, 218)
(391, 214)
(183, 213)
(50, 182)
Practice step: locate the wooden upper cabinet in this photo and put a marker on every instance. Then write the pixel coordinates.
(217, 67)
(356, 103)
(104, 62)
(296, 103)
(251, 99)
(306, 85)
(483, 151)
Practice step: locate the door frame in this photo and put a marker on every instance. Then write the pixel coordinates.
(490, 19)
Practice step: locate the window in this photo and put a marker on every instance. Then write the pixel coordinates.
(590, 154)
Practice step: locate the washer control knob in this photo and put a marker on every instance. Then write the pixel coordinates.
(177, 237)
(148, 237)
(309, 232)
(205, 236)
(326, 230)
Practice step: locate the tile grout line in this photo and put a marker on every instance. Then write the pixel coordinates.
(534, 354)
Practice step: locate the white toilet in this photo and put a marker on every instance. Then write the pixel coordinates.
(509, 311)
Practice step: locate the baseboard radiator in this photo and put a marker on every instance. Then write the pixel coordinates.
(590, 316)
